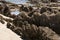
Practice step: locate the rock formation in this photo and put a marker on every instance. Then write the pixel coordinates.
(33, 24)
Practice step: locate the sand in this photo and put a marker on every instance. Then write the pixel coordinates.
(7, 34)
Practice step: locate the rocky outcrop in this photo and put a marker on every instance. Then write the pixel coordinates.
(39, 26)
(44, 1)
(36, 24)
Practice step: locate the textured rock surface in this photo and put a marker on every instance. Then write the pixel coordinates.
(35, 24)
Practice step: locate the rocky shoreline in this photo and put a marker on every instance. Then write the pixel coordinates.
(42, 23)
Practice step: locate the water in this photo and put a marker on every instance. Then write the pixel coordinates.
(18, 1)
(16, 12)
